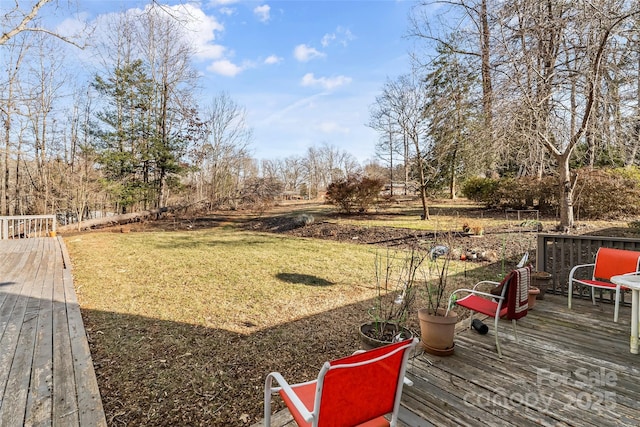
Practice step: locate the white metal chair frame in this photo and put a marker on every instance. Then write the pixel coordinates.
(594, 283)
(500, 301)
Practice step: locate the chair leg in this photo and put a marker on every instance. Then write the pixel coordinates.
(267, 401)
(593, 295)
(515, 330)
(495, 331)
(570, 293)
(470, 319)
(616, 309)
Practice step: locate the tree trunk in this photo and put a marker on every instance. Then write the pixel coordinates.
(566, 196)
(423, 184)
(406, 161)
(7, 145)
(487, 86)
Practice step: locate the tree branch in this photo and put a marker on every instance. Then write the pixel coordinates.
(22, 26)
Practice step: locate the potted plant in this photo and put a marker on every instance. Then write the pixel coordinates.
(396, 273)
(533, 294)
(437, 329)
(542, 281)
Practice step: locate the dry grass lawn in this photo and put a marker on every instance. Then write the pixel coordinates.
(185, 325)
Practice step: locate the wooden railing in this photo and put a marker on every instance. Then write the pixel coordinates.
(557, 254)
(25, 226)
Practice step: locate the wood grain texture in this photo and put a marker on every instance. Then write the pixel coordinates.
(568, 368)
(46, 372)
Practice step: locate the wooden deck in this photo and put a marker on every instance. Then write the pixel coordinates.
(569, 368)
(46, 371)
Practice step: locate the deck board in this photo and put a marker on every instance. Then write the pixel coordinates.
(46, 372)
(568, 368)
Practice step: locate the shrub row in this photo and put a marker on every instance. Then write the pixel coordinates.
(599, 193)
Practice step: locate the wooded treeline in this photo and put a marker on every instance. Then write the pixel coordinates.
(520, 88)
(134, 136)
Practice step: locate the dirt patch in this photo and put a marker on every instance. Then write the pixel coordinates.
(494, 244)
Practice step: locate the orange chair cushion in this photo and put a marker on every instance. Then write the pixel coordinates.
(481, 305)
(354, 396)
(611, 262)
(363, 393)
(306, 393)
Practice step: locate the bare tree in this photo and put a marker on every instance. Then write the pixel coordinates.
(8, 109)
(549, 47)
(405, 99)
(221, 156)
(17, 20)
(293, 173)
(22, 19)
(46, 79)
(390, 139)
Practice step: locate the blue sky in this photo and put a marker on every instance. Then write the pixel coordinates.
(307, 72)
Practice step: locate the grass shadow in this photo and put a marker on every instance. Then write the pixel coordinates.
(303, 279)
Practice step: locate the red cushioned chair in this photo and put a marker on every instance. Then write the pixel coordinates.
(511, 302)
(609, 262)
(357, 390)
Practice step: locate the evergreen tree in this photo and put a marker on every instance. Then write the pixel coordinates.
(452, 114)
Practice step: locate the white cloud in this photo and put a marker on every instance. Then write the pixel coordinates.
(198, 29)
(263, 12)
(225, 67)
(327, 83)
(327, 39)
(332, 127)
(272, 59)
(227, 11)
(341, 36)
(201, 30)
(214, 3)
(74, 27)
(304, 53)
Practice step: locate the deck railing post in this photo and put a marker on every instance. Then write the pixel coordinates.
(541, 257)
(23, 226)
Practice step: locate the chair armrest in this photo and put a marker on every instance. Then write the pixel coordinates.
(471, 291)
(286, 388)
(575, 268)
(485, 281)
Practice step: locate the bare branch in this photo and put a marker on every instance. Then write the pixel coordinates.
(22, 26)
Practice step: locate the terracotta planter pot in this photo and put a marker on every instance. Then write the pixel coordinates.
(533, 293)
(390, 329)
(437, 332)
(542, 281)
